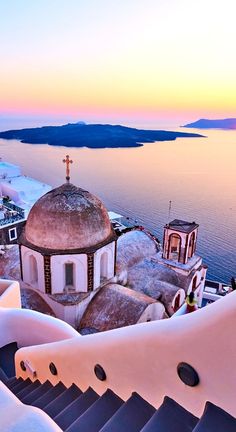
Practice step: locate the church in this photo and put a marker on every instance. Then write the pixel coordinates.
(72, 257)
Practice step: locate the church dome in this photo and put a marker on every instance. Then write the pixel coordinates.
(68, 217)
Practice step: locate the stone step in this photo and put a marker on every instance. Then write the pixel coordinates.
(7, 359)
(171, 417)
(36, 393)
(76, 408)
(3, 376)
(98, 414)
(28, 389)
(49, 396)
(13, 382)
(132, 416)
(20, 385)
(62, 401)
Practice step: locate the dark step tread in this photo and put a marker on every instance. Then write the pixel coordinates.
(3, 377)
(98, 414)
(215, 419)
(13, 379)
(20, 386)
(132, 415)
(7, 358)
(30, 388)
(56, 406)
(76, 408)
(13, 382)
(171, 417)
(37, 393)
(49, 395)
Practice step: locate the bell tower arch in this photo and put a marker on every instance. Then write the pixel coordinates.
(179, 241)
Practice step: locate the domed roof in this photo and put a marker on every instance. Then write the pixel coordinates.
(68, 217)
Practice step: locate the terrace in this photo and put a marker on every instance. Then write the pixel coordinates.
(10, 213)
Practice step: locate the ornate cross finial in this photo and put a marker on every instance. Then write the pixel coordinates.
(67, 161)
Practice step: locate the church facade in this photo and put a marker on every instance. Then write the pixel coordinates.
(69, 252)
(68, 245)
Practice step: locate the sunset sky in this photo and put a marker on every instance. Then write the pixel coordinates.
(118, 60)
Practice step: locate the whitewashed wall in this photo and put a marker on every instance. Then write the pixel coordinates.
(26, 267)
(10, 294)
(58, 272)
(17, 417)
(153, 312)
(144, 358)
(71, 314)
(110, 251)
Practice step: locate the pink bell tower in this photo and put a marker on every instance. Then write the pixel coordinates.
(179, 243)
(179, 254)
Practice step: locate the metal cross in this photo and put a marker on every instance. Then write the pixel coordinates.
(67, 161)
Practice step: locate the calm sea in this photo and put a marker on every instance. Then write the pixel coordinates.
(196, 174)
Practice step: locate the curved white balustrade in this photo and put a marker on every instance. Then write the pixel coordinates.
(24, 326)
(18, 417)
(144, 358)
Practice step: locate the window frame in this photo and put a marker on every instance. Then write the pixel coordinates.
(10, 231)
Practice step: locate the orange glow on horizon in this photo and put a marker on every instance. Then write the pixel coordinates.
(125, 60)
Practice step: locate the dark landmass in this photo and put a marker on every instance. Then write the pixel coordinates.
(93, 135)
(229, 123)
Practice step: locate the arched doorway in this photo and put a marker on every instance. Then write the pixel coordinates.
(174, 248)
(176, 302)
(191, 245)
(194, 284)
(33, 270)
(103, 267)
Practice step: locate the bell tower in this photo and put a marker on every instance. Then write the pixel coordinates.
(179, 242)
(179, 254)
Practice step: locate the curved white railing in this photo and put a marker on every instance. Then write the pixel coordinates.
(24, 326)
(20, 418)
(9, 294)
(27, 327)
(144, 358)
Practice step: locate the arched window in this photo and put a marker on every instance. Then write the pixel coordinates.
(176, 302)
(194, 284)
(33, 270)
(178, 299)
(174, 247)
(69, 276)
(191, 245)
(103, 267)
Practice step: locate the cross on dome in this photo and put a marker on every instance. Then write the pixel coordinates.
(67, 161)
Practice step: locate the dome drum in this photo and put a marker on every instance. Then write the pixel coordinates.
(69, 239)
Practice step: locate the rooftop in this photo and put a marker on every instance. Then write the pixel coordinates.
(182, 226)
(114, 306)
(10, 213)
(178, 265)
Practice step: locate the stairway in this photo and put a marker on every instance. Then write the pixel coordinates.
(76, 411)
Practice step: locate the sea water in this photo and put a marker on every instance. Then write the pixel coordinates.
(196, 174)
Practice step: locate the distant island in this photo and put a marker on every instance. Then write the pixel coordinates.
(92, 135)
(229, 123)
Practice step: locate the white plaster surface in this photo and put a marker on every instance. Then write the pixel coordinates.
(17, 417)
(144, 358)
(24, 191)
(153, 312)
(109, 252)
(8, 170)
(10, 294)
(28, 276)
(58, 272)
(27, 327)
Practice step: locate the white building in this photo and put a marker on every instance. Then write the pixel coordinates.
(68, 249)
(22, 190)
